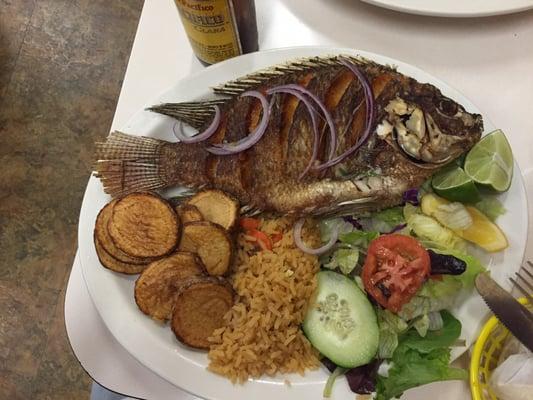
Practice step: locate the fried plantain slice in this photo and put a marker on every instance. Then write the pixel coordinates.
(200, 308)
(108, 261)
(216, 206)
(156, 288)
(211, 242)
(189, 213)
(144, 225)
(102, 234)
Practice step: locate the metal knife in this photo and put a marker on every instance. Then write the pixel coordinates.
(517, 318)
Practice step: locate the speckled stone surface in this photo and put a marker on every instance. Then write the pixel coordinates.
(61, 69)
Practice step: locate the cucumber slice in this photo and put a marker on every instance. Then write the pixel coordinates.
(341, 323)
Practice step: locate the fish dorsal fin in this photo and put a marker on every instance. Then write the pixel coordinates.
(301, 65)
(197, 113)
(251, 81)
(194, 113)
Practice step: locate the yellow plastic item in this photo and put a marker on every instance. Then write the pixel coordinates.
(485, 356)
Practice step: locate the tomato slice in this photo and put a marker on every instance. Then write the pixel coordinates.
(249, 224)
(395, 268)
(262, 239)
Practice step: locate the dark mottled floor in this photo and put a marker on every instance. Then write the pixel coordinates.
(61, 69)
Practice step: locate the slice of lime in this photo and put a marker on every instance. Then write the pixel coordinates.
(490, 162)
(453, 184)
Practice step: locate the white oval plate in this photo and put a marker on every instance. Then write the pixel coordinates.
(154, 344)
(455, 8)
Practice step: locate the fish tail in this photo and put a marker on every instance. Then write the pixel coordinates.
(127, 163)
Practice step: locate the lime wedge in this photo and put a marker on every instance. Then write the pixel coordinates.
(453, 184)
(490, 162)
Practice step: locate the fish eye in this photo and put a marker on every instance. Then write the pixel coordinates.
(447, 107)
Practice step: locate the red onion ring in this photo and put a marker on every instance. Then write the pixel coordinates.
(312, 114)
(301, 245)
(369, 119)
(250, 140)
(199, 137)
(327, 115)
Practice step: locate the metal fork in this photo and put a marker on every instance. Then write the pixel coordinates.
(524, 279)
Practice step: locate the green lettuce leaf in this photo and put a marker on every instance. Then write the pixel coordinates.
(416, 369)
(433, 340)
(436, 295)
(328, 225)
(345, 255)
(357, 238)
(428, 229)
(390, 326)
(388, 342)
(384, 220)
(448, 286)
(392, 216)
(344, 259)
(423, 303)
(422, 325)
(421, 360)
(409, 210)
(491, 207)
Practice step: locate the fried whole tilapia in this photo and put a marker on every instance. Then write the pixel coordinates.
(410, 131)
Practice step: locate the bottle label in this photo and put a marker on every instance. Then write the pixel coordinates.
(211, 28)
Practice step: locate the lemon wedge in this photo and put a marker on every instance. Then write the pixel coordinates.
(483, 232)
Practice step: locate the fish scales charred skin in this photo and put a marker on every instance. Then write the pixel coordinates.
(301, 138)
(416, 131)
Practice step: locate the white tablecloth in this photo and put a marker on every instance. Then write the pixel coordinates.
(490, 60)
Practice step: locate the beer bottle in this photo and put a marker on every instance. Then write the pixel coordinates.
(219, 29)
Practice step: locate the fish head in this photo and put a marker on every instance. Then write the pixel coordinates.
(427, 127)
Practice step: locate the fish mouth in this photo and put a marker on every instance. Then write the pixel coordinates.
(416, 135)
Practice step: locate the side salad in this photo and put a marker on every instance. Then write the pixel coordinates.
(388, 280)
